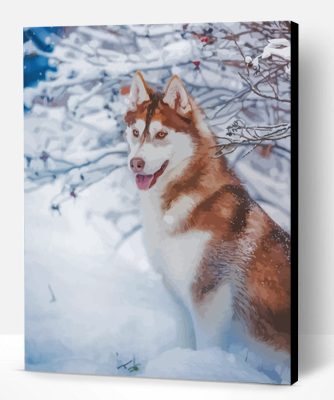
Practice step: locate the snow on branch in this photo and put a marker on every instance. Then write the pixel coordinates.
(238, 134)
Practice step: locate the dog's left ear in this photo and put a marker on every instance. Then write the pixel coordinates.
(139, 91)
(176, 96)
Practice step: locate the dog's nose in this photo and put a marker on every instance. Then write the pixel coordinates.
(137, 164)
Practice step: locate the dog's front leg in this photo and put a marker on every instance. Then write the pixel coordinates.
(212, 318)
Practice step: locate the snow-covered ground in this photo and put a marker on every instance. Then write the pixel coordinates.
(90, 309)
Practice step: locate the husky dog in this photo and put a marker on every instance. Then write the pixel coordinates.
(219, 253)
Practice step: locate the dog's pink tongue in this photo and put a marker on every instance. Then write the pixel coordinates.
(144, 181)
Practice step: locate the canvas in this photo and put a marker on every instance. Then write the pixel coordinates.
(161, 200)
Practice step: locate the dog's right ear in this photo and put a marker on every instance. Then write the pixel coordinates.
(176, 96)
(139, 91)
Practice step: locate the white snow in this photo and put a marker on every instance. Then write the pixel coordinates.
(212, 364)
(178, 52)
(109, 307)
(277, 47)
(106, 303)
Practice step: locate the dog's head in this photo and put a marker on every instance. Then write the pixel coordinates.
(161, 131)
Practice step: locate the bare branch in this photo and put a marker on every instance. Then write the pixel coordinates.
(257, 91)
(238, 134)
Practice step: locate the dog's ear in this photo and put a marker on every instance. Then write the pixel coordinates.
(176, 96)
(139, 91)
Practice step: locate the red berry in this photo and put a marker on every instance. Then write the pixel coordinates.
(124, 90)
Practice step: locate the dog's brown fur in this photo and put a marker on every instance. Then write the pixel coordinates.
(247, 246)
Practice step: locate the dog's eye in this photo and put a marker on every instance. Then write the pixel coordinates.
(161, 135)
(135, 132)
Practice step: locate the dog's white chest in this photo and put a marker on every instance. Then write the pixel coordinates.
(176, 256)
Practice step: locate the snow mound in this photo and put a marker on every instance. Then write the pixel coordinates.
(211, 364)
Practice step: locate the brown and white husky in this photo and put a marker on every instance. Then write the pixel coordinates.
(218, 251)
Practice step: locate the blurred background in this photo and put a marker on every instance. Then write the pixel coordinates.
(77, 79)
